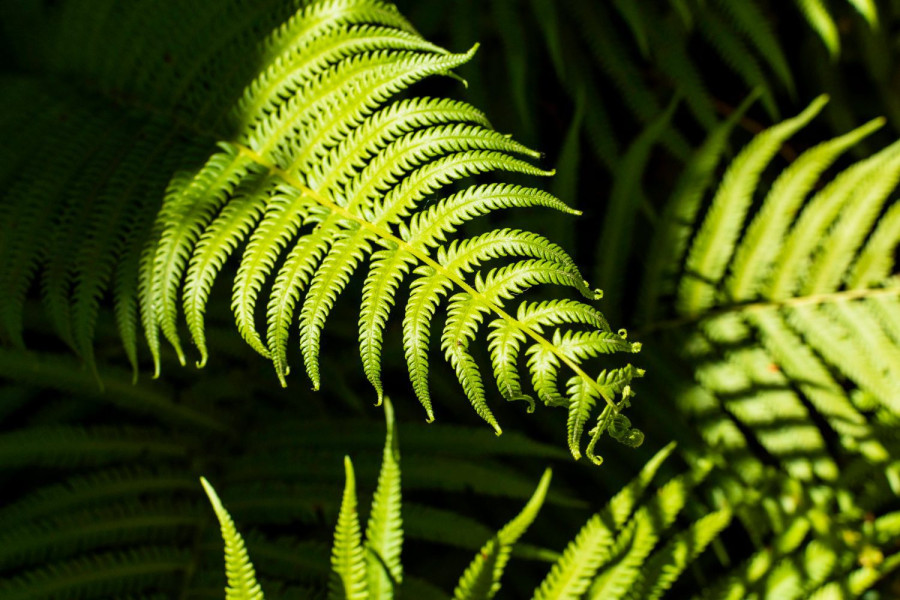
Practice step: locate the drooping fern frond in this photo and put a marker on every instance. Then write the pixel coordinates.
(324, 171)
(327, 167)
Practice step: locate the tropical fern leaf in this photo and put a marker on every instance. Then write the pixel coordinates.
(326, 171)
(787, 279)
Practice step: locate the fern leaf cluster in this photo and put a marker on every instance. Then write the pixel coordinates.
(305, 152)
(603, 561)
(100, 510)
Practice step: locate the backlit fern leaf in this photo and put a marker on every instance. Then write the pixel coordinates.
(325, 171)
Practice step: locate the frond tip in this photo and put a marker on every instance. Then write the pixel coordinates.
(242, 583)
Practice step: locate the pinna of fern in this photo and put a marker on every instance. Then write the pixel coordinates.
(325, 171)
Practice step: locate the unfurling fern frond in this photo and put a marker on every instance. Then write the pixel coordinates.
(326, 171)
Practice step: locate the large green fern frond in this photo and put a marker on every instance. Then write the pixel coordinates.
(325, 171)
(794, 301)
(327, 166)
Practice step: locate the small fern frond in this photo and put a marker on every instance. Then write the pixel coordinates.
(384, 530)
(597, 543)
(481, 580)
(348, 558)
(242, 583)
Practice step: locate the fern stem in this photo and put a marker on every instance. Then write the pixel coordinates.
(843, 296)
(428, 260)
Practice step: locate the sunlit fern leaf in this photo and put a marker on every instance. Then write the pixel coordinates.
(666, 564)
(242, 584)
(712, 248)
(630, 569)
(326, 170)
(607, 556)
(481, 579)
(477, 580)
(571, 575)
(814, 555)
(789, 334)
(804, 263)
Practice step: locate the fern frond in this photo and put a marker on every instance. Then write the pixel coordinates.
(573, 573)
(325, 170)
(384, 530)
(716, 238)
(242, 583)
(482, 577)
(348, 558)
(667, 564)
